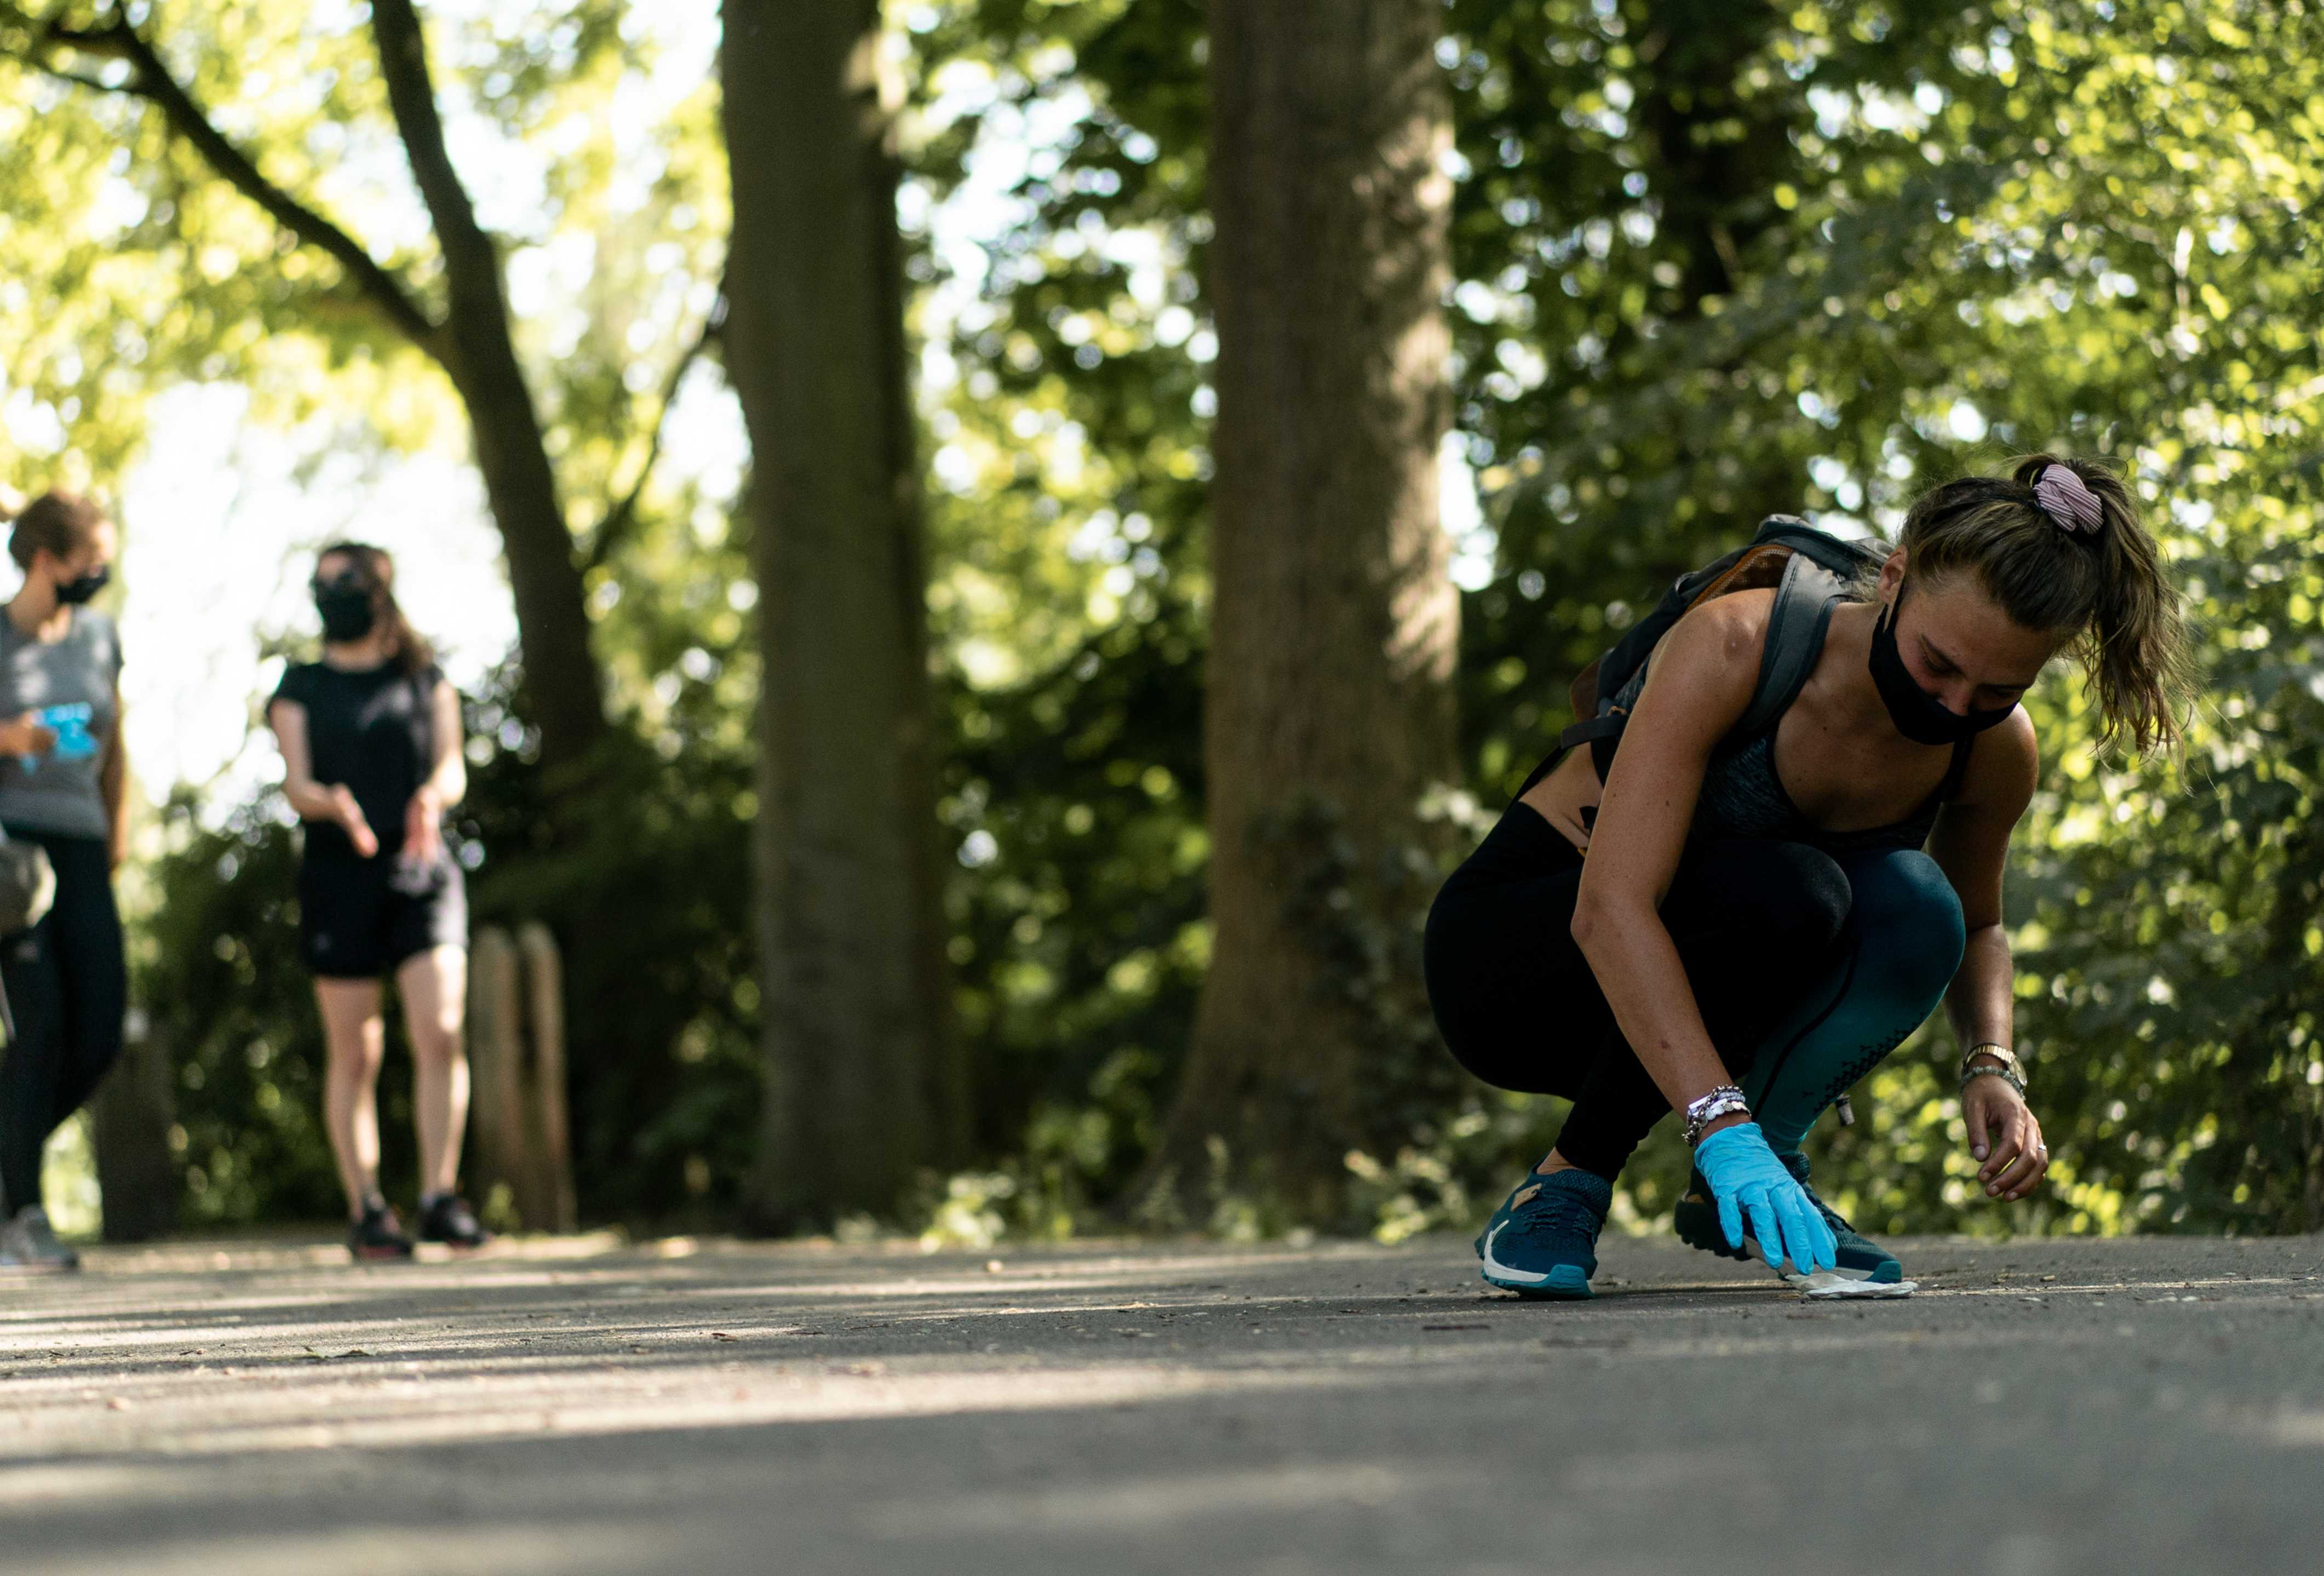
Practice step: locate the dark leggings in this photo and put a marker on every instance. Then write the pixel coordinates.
(68, 987)
(1814, 966)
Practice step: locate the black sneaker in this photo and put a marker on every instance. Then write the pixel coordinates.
(449, 1219)
(27, 1242)
(378, 1235)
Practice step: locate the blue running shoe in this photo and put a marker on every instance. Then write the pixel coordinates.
(1543, 1241)
(1862, 1261)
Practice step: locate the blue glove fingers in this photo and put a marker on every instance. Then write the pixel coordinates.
(1826, 1247)
(1766, 1224)
(1730, 1219)
(1801, 1228)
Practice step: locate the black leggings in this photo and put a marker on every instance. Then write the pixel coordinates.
(1757, 924)
(68, 987)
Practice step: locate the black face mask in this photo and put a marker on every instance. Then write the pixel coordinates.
(1919, 715)
(348, 613)
(73, 593)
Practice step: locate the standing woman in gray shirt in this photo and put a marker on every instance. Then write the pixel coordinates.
(62, 777)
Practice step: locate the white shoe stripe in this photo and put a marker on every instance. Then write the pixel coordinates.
(1494, 1268)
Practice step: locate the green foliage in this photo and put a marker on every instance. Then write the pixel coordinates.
(1713, 262)
(222, 951)
(1716, 261)
(662, 993)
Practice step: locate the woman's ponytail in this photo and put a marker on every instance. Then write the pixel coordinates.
(2135, 651)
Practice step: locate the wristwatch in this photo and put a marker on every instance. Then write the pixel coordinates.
(2011, 1071)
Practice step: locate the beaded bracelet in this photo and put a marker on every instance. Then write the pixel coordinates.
(2007, 1074)
(1726, 1099)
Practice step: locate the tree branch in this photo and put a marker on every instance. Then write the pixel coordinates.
(472, 263)
(623, 514)
(151, 80)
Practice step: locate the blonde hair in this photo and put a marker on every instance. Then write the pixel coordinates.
(2104, 594)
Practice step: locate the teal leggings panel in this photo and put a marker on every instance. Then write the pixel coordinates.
(1899, 953)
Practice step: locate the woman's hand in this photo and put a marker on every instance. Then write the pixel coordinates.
(1746, 1179)
(423, 825)
(350, 817)
(2004, 1138)
(26, 735)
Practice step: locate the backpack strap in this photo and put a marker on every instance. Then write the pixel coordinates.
(1804, 595)
(1804, 598)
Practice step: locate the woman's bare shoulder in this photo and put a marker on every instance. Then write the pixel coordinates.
(2004, 765)
(1708, 665)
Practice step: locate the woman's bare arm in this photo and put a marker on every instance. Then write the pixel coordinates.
(448, 773)
(1971, 844)
(314, 801)
(447, 781)
(1704, 674)
(113, 785)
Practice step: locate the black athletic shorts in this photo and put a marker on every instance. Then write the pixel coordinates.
(353, 925)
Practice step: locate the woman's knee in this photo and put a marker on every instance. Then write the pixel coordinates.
(1908, 921)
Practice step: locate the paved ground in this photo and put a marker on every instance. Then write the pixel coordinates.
(2038, 1409)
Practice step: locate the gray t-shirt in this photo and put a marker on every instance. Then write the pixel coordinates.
(58, 793)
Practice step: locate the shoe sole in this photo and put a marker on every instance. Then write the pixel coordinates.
(1565, 1283)
(379, 1255)
(1886, 1279)
(1698, 1227)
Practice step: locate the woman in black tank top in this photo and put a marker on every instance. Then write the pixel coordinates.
(371, 749)
(1760, 916)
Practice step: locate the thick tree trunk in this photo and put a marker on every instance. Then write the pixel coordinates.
(1334, 624)
(862, 1088)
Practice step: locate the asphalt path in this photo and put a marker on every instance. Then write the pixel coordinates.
(2038, 1408)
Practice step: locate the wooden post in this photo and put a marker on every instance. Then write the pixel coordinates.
(516, 1047)
(496, 1057)
(551, 1150)
(129, 1128)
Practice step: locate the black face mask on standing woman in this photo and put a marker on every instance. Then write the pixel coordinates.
(1919, 715)
(346, 609)
(74, 592)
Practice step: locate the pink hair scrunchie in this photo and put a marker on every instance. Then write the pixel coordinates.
(2066, 501)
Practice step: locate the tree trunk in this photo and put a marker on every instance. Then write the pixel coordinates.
(862, 1089)
(562, 687)
(1334, 624)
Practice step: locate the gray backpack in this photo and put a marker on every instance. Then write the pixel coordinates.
(1810, 570)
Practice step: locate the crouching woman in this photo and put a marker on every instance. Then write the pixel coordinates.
(1759, 920)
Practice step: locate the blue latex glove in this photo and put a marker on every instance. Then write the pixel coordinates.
(1746, 1177)
(70, 723)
